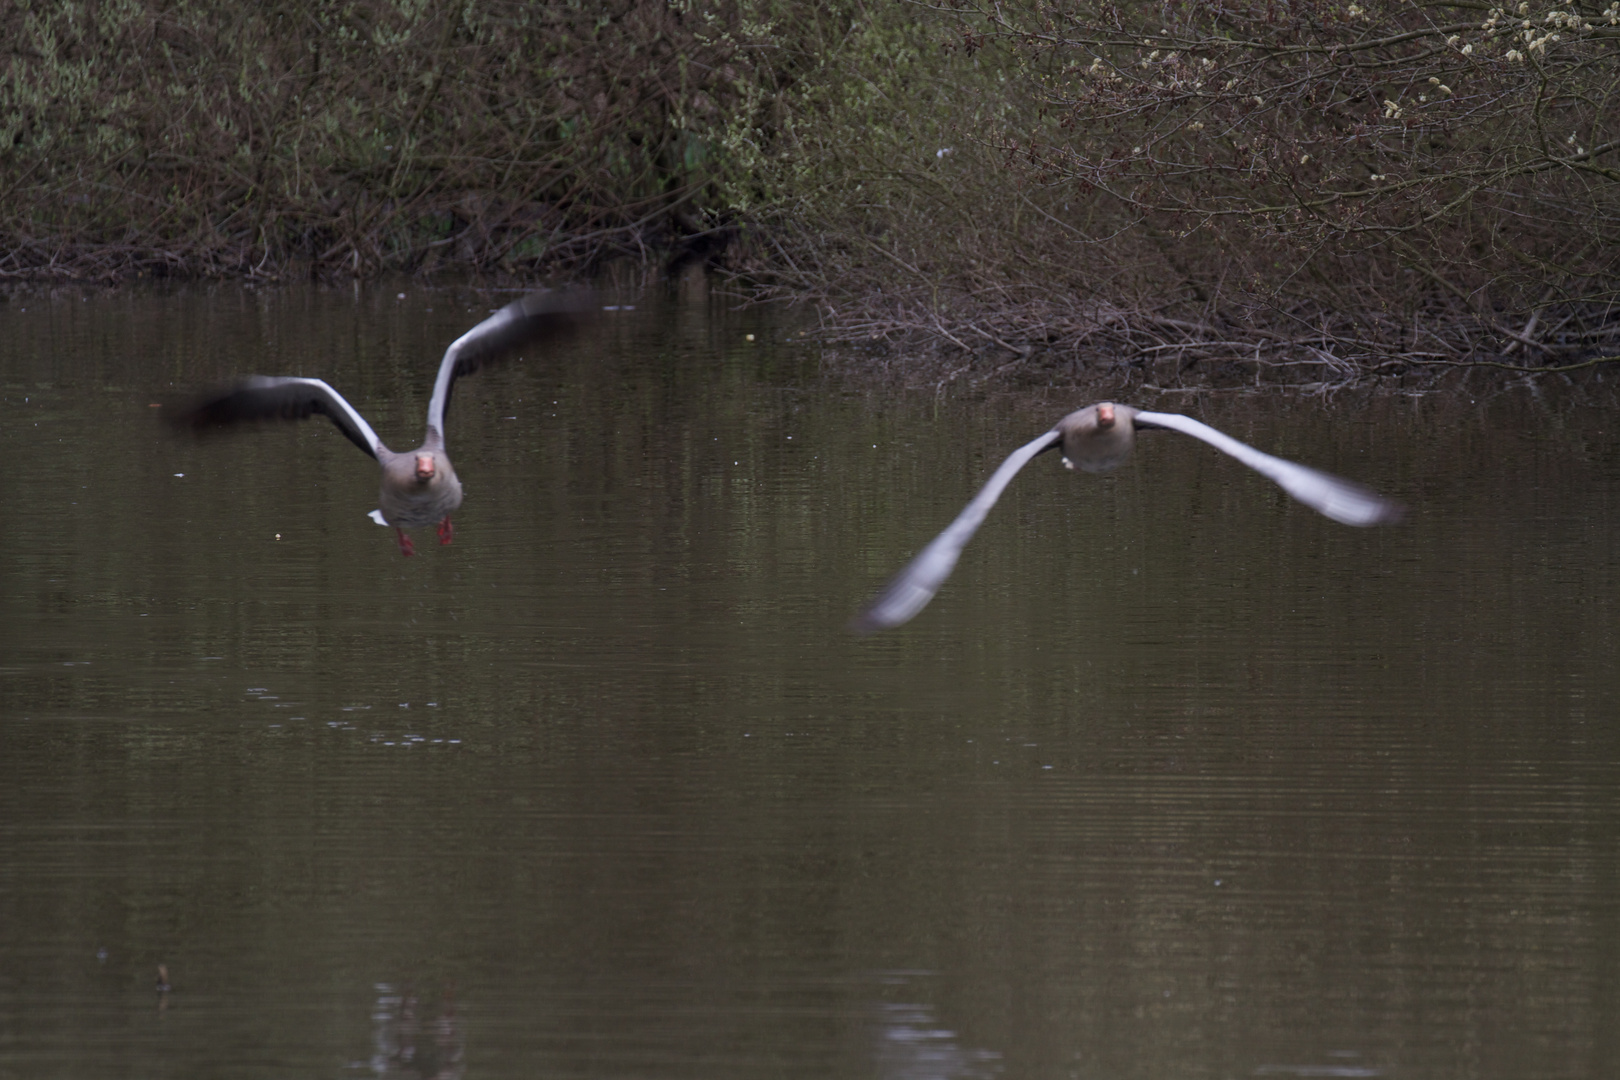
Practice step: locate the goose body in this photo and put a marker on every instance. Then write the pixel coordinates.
(418, 487)
(1097, 439)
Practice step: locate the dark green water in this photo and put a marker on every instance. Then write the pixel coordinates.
(1175, 778)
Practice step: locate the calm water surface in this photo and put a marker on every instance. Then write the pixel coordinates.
(1175, 778)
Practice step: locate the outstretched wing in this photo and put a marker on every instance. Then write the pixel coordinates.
(539, 316)
(909, 591)
(1342, 500)
(264, 397)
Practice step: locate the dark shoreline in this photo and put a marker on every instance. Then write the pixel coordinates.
(922, 358)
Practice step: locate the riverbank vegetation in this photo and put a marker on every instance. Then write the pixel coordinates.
(1304, 191)
(307, 136)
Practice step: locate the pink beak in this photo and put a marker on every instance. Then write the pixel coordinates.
(424, 467)
(1105, 417)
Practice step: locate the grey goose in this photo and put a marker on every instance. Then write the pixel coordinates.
(419, 487)
(1097, 439)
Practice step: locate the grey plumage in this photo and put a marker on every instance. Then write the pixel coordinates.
(418, 487)
(1096, 439)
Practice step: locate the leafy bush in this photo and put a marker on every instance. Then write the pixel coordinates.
(196, 136)
(1291, 182)
(1313, 187)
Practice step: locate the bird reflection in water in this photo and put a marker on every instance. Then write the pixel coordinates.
(911, 1045)
(409, 1044)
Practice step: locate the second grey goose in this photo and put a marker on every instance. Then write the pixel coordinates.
(1096, 439)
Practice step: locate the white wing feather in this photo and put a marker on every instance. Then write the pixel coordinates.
(909, 591)
(1342, 500)
(282, 397)
(537, 315)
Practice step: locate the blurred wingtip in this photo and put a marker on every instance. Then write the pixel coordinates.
(1369, 508)
(900, 601)
(197, 412)
(215, 408)
(561, 300)
(862, 624)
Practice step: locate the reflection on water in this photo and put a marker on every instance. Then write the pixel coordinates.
(1176, 779)
(412, 1043)
(912, 1045)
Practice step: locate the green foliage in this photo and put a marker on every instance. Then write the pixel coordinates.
(194, 136)
(201, 136)
(861, 163)
(1432, 179)
(1429, 180)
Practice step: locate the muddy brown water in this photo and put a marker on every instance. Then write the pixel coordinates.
(1174, 779)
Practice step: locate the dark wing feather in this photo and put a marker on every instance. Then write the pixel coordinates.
(909, 591)
(263, 397)
(540, 316)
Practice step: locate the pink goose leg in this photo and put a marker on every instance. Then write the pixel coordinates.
(446, 530)
(406, 548)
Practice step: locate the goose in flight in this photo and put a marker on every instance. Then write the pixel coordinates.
(1096, 439)
(419, 487)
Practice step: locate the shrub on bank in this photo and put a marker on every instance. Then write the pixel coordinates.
(1305, 186)
(1341, 188)
(201, 137)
